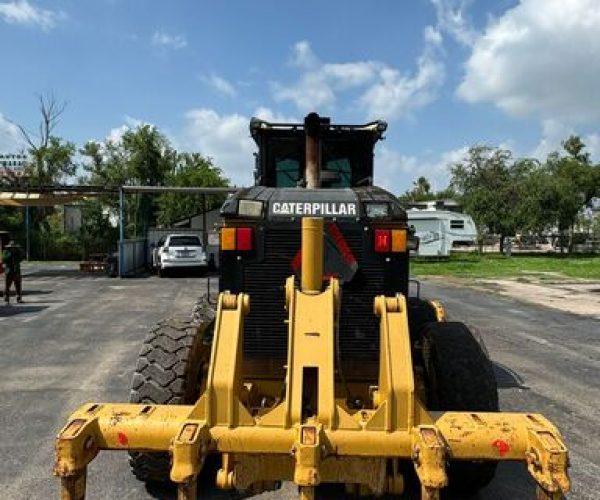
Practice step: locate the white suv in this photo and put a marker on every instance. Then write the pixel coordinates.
(181, 251)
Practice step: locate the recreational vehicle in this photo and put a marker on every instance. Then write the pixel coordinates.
(440, 230)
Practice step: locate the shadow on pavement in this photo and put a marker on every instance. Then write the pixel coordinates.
(507, 378)
(15, 309)
(37, 292)
(50, 273)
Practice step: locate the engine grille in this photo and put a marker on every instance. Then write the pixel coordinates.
(265, 332)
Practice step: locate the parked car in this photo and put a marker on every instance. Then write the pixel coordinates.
(180, 251)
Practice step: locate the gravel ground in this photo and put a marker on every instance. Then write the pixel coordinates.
(77, 337)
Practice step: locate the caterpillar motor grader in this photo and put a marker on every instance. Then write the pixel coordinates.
(316, 366)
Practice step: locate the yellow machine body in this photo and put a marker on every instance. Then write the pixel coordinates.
(309, 435)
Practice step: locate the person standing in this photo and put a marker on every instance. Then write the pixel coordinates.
(12, 257)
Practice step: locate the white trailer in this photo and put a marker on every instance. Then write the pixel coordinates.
(440, 230)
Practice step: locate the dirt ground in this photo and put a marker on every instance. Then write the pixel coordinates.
(571, 296)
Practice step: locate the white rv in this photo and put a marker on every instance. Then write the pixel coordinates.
(440, 230)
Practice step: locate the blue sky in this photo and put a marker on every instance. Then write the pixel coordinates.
(445, 74)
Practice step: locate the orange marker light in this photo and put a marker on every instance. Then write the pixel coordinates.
(398, 240)
(228, 238)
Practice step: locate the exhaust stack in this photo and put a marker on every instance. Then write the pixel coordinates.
(312, 127)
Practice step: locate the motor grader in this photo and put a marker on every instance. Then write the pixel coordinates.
(316, 366)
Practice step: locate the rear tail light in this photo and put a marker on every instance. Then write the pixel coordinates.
(244, 239)
(237, 238)
(390, 240)
(382, 240)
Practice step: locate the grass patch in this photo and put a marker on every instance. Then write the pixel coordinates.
(538, 267)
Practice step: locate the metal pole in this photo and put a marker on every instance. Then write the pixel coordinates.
(121, 232)
(27, 233)
(204, 230)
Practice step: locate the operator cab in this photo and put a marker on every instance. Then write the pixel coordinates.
(346, 152)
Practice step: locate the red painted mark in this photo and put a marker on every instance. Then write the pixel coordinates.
(337, 236)
(502, 446)
(122, 437)
(297, 261)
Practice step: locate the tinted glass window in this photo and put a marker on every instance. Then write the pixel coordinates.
(184, 241)
(287, 172)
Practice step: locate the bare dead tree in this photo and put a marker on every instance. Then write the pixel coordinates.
(50, 110)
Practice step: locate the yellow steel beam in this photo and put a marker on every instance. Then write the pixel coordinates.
(395, 396)
(312, 255)
(220, 404)
(311, 346)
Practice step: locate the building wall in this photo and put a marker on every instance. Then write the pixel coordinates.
(12, 164)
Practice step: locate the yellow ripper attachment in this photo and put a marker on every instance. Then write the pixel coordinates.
(310, 436)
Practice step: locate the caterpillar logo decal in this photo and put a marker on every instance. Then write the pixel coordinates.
(315, 208)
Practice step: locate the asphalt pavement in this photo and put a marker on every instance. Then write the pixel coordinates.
(77, 337)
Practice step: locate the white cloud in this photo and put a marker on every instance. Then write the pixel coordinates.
(385, 91)
(11, 139)
(219, 84)
(397, 94)
(452, 19)
(541, 59)
(396, 172)
(25, 13)
(225, 138)
(274, 117)
(162, 39)
(592, 143)
(303, 56)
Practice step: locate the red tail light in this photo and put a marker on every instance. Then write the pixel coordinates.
(383, 240)
(244, 239)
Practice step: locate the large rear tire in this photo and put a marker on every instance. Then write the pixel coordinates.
(171, 369)
(460, 378)
(420, 313)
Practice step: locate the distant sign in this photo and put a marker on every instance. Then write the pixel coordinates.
(213, 239)
(12, 165)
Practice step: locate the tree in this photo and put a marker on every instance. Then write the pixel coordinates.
(51, 158)
(192, 170)
(51, 162)
(421, 191)
(143, 156)
(571, 182)
(421, 187)
(490, 184)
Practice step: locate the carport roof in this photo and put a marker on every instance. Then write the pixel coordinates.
(12, 199)
(45, 196)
